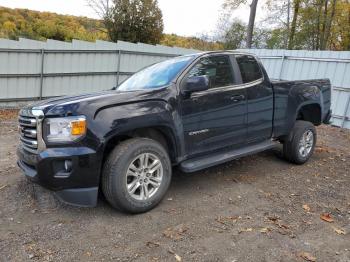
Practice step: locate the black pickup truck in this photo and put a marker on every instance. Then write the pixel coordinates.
(193, 111)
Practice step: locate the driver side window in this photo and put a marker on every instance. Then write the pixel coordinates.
(217, 68)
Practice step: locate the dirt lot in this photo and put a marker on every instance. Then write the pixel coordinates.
(258, 208)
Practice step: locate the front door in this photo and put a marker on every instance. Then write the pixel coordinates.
(215, 118)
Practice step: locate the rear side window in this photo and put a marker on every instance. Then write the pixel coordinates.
(217, 68)
(249, 67)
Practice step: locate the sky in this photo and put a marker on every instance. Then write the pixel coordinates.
(182, 17)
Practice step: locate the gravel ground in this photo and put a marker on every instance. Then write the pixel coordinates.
(257, 208)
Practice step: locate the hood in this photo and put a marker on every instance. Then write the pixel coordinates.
(49, 103)
(70, 105)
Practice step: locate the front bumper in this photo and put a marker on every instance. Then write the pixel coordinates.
(78, 186)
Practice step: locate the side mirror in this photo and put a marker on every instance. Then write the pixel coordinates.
(196, 84)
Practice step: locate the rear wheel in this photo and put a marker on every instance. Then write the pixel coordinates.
(136, 175)
(300, 144)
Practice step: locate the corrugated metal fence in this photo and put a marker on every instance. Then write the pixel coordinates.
(301, 64)
(32, 70)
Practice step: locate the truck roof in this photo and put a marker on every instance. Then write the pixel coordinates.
(222, 52)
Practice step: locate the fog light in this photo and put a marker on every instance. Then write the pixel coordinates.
(68, 165)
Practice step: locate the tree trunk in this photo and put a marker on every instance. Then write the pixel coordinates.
(325, 14)
(319, 11)
(294, 24)
(348, 47)
(328, 26)
(250, 28)
(288, 25)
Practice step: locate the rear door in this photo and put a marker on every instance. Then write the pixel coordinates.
(215, 118)
(259, 98)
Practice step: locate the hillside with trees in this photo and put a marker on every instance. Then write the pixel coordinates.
(15, 23)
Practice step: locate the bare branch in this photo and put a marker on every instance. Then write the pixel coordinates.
(100, 7)
(233, 4)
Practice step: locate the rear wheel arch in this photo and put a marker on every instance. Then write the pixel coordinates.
(310, 112)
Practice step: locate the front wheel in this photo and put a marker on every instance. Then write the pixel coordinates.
(136, 175)
(300, 144)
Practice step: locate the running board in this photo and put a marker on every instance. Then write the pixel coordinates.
(199, 163)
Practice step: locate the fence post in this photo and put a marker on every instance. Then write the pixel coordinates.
(42, 74)
(118, 67)
(281, 68)
(345, 112)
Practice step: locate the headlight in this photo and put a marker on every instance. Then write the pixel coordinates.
(65, 129)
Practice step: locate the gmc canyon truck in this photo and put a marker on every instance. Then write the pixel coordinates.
(192, 111)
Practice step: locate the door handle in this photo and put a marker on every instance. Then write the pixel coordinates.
(237, 98)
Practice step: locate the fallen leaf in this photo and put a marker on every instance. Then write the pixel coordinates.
(175, 233)
(273, 218)
(245, 230)
(327, 217)
(339, 231)
(283, 226)
(264, 230)
(306, 208)
(223, 220)
(152, 244)
(178, 258)
(308, 257)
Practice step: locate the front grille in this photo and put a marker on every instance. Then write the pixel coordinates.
(28, 132)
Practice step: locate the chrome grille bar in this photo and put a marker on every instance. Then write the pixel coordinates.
(32, 133)
(30, 129)
(30, 143)
(25, 121)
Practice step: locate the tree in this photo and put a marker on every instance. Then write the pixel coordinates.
(278, 20)
(319, 23)
(9, 28)
(235, 36)
(339, 38)
(233, 4)
(328, 19)
(294, 24)
(276, 39)
(200, 43)
(250, 28)
(131, 20)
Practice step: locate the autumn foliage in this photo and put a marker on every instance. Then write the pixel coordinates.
(15, 23)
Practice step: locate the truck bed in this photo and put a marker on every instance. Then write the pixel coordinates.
(291, 94)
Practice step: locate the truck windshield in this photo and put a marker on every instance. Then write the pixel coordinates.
(157, 75)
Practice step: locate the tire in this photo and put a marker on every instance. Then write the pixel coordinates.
(119, 175)
(293, 145)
